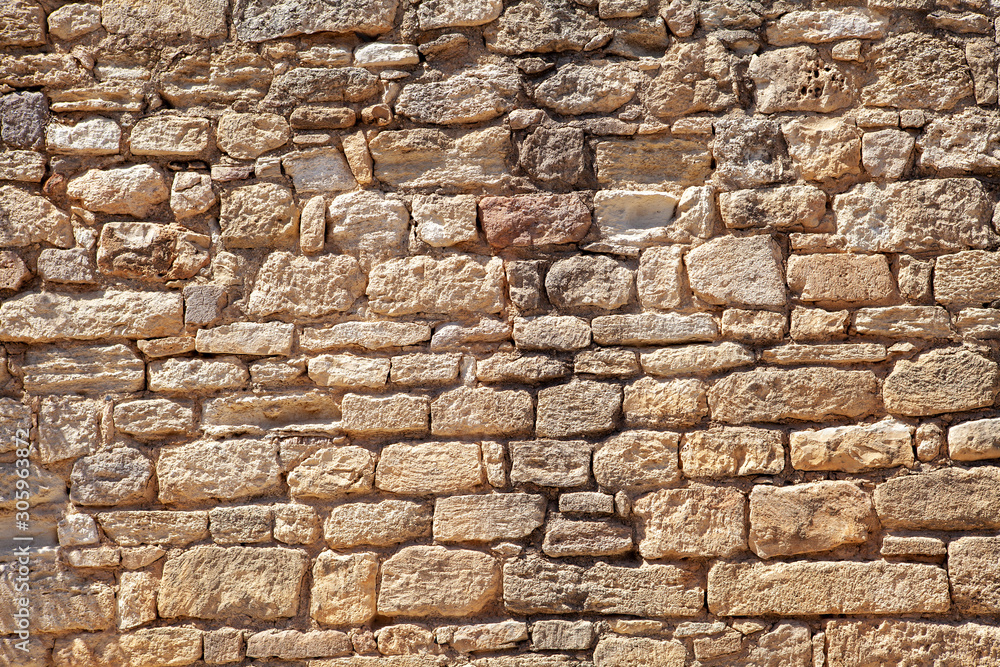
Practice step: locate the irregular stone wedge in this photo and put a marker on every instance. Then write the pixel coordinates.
(942, 380)
(946, 499)
(435, 581)
(506, 516)
(210, 582)
(699, 522)
(807, 394)
(806, 588)
(46, 317)
(864, 643)
(884, 444)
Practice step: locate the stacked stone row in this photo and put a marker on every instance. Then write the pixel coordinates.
(531, 334)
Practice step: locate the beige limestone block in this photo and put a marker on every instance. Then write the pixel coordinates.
(856, 643)
(578, 408)
(296, 524)
(170, 136)
(489, 636)
(639, 651)
(369, 226)
(263, 21)
(504, 367)
(445, 221)
(457, 13)
(753, 326)
(135, 528)
(25, 166)
(343, 589)
(136, 599)
(470, 412)
(945, 499)
(974, 440)
(458, 160)
(967, 278)
(252, 338)
(659, 279)
(358, 157)
(93, 136)
(47, 317)
(332, 473)
(312, 225)
(737, 271)
(435, 581)
(841, 279)
(963, 145)
(348, 370)
(92, 369)
(472, 96)
(606, 363)
(170, 647)
(407, 639)
(930, 441)
(378, 524)
(28, 218)
(118, 476)
(652, 163)
(884, 444)
(939, 381)
(23, 24)
(695, 359)
(246, 136)
(453, 285)
(558, 635)
(700, 522)
(697, 214)
(295, 645)
(807, 394)
(318, 170)
(928, 322)
(915, 70)
(694, 76)
(551, 463)
(826, 587)
(893, 545)
(209, 582)
(67, 426)
(224, 470)
(634, 461)
(541, 28)
(651, 403)
(582, 89)
(817, 324)
(154, 18)
(551, 332)
(823, 149)
(305, 287)
(886, 153)
(196, 375)
(584, 282)
(430, 468)
(818, 27)
(788, 207)
(488, 518)
(733, 451)
(634, 219)
(258, 413)
(259, 215)
(367, 335)
(400, 414)
(236, 525)
(653, 329)
(972, 569)
(808, 518)
(132, 191)
(843, 353)
(603, 537)
(799, 79)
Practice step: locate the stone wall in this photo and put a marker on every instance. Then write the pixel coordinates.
(425, 333)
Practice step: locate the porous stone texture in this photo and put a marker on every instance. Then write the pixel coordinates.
(538, 333)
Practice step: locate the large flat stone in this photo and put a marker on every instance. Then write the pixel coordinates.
(89, 369)
(974, 440)
(635, 461)
(972, 569)
(430, 468)
(942, 380)
(305, 287)
(164, 19)
(482, 412)
(945, 499)
(731, 452)
(453, 284)
(435, 581)
(915, 70)
(432, 158)
(884, 444)
(488, 518)
(699, 522)
(214, 469)
(738, 272)
(157, 527)
(863, 643)
(263, 20)
(652, 162)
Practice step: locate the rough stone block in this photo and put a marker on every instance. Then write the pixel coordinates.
(691, 523)
(732, 452)
(884, 444)
(377, 524)
(430, 468)
(435, 581)
(488, 518)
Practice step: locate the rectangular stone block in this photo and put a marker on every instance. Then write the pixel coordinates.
(653, 329)
(241, 525)
(732, 452)
(435, 581)
(973, 570)
(884, 444)
(430, 468)
(696, 359)
(863, 643)
(154, 418)
(400, 414)
(369, 335)
(974, 440)
(257, 414)
(348, 370)
(970, 278)
(453, 285)
(343, 590)
(827, 587)
(577, 409)
(651, 403)
(488, 518)
(928, 322)
(945, 499)
(655, 161)
(296, 645)
(555, 463)
(700, 522)
(431, 158)
(173, 528)
(425, 369)
(217, 469)
(470, 412)
(844, 353)
(89, 369)
(378, 524)
(197, 375)
(566, 537)
(268, 339)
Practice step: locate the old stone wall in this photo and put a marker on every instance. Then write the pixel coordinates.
(502, 333)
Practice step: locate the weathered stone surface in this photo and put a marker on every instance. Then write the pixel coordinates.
(544, 26)
(132, 529)
(132, 191)
(851, 353)
(943, 380)
(790, 207)
(581, 89)
(658, 281)
(26, 166)
(368, 225)
(554, 155)
(589, 282)
(498, 516)
(946, 499)
(633, 219)
(473, 96)
(224, 470)
(564, 537)
(306, 287)
(651, 403)
(489, 636)
(262, 20)
(457, 13)
(92, 369)
(915, 216)
(737, 271)
(694, 76)
(208, 582)
(799, 79)
(94, 136)
(74, 20)
(149, 18)
(516, 367)
(453, 284)
(552, 463)
(23, 115)
(965, 144)
(295, 645)
(884, 444)
(823, 149)
(191, 194)
(695, 359)
(235, 525)
(839, 279)
(315, 85)
(368, 335)
(425, 581)
(967, 278)
(916, 71)
(652, 163)
(556, 635)
(578, 408)
(348, 370)
(343, 589)
(258, 215)
(532, 220)
(750, 152)
(808, 518)
(332, 473)
(972, 571)
(117, 477)
(445, 221)
(691, 523)
(255, 414)
(432, 158)
(731, 452)
(272, 338)
(67, 426)
(886, 153)
(829, 587)
(606, 363)
(817, 27)
(430, 468)
(382, 416)
(974, 440)
(22, 23)
(537, 586)
(654, 329)
(636, 651)
(482, 412)
(807, 394)
(855, 643)
(170, 136)
(378, 524)
(246, 136)
(151, 251)
(551, 332)
(903, 322)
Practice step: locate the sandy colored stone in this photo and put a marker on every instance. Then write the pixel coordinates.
(658, 281)
(331, 473)
(566, 537)
(67, 426)
(578, 408)
(967, 278)
(916, 71)
(132, 191)
(551, 332)
(688, 359)
(554, 155)
(839, 279)
(473, 96)
(445, 221)
(808, 518)
(74, 20)
(368, 225)
(305, 287)
(652, 163)
(209, 582)
(132, 529)
(826, 587)
(799, 79)
(22, 23)
(691, 523)
(482, 412)
(790, 207)
(343, 588)
(136, 600)
(368, 335)
(264, 339)
(262, 20)
(817, 324)
(302, 87)
(378, 524)
(737, 271)
(839, 353)
(295, 645)
(504, 367)
(94, 136)
(808, 394)
(170, 136)
(653, 329)
(939, 381)
(453, 284)
(589, 282)
(457, 13)
(543, 26)
(152, 18)
(694, 76)
(552, 463)
(258, 215)
(915, 216)
(91, 369)
(904, 322)
(246, 136)
(818, 27)
(348, 370)
(651, 403)
(823, 149)
(732, 452)
(946, 499)
(121, 476)
(858, 643)
(972, 572)
(224, 470)
(255, 414)
(382, 416)
(886, 153)
(425, 581)
(432, 158)
(974, 440)
(606, 362)
(488, 518)
(26, 166)
(532, 220)
(191, 194)
(432, 468)
(241, 525)
(884, 444)
(636, 651)
(150, 251)
(580, 89)
(634, 219)
(489, 636)
(562, 635)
